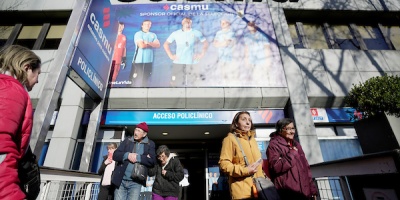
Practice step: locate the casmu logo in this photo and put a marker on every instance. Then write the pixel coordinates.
(186, 7)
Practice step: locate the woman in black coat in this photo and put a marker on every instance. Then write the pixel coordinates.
(168, 172)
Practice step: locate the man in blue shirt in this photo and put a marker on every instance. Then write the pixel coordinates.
(185, 57)
(257, 54)
(225, 41)
(142, 64)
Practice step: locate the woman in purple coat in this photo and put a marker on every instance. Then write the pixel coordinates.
(288, 165)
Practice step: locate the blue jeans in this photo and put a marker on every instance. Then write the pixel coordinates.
(128, 190)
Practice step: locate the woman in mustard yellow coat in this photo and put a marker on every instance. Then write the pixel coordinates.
(232, 161)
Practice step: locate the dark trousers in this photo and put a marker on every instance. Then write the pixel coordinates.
(106, 192)
(143, 72)
(183, 193)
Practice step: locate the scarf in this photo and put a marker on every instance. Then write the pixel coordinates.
(107, 174)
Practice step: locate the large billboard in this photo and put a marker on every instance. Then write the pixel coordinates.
(195, 45)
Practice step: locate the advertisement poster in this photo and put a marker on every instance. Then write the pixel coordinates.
(195, 45)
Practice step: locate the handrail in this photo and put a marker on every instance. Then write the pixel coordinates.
(50, 173)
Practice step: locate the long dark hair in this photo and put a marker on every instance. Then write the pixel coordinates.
(235, 121)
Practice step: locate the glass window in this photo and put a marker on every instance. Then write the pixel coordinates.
(43, 153)
(295, 37)
(53, 37)
(5, 32)
(346, 131)
(315, 36)
(76, 159)
(339, 149)
(393, 33)
(372, 37)
(344, 38)
(109, 134)
(28, 35)
(328, 131)
(264, 132)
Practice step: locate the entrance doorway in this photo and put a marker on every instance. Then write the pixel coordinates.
(194, 149)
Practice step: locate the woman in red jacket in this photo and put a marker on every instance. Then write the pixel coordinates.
(19, 71)
(288, 165)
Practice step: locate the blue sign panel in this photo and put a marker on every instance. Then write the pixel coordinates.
(185, 117)
(342, 114)
(93, 56)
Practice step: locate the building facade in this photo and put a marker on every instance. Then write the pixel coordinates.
(324, 47)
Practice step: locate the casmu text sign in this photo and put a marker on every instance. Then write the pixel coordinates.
(185, 117)
(93, 56)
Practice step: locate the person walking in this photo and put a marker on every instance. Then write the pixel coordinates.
(106, 169)
(288, 165)
(19, 72)
(136, 149)
(232, 162)
(168, 173)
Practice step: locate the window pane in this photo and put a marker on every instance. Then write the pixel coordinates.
(373, 38)
(327, 131)
(5, 32)
(346, 131)
(28, 36)
(53, 37)
(344, 37)
(76, 159)
(295, 37)
(393, 33)
(340, 149)
(315, 36)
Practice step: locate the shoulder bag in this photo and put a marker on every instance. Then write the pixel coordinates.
(29, 175)
(263, 188)
(139, 171)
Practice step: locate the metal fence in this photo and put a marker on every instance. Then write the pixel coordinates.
(68, 190)
(330, 188)
(60, 184)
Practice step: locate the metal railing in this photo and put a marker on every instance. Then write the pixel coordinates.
(59, 184)
(345, 179)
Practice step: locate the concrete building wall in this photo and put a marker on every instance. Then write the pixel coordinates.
(315, 77)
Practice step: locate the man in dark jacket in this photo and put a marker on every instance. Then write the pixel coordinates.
(136, 149)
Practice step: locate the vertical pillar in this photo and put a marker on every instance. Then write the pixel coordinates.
(63, 141)
(299, 107)
(91, 135)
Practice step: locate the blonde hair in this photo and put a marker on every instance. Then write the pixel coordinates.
(14, 58)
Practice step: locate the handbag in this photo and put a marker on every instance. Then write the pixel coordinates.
(266, 189)
(139, 171)
(263, 188)
(29, 175)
